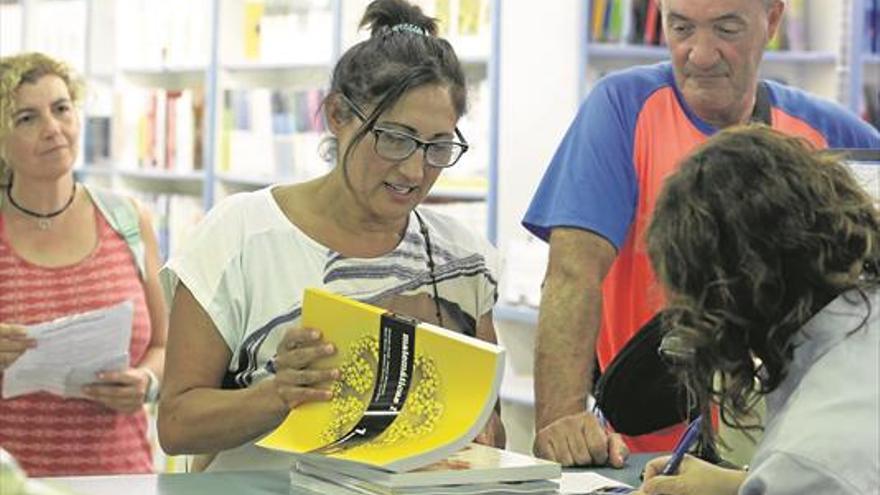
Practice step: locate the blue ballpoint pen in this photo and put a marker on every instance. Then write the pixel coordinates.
(683, 446)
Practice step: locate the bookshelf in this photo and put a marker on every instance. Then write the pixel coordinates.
(609, 51)
(806, 53)
(242, 80)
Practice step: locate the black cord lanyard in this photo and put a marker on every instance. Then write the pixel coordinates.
(423, 229)
(762, 113)
(42, 218)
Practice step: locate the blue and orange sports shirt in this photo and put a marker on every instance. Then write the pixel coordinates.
(628, 136)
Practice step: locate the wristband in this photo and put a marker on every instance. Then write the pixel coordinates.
(152, 393)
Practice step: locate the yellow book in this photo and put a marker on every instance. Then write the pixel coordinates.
(253, 15)
(470, 21)
(597, 31)
(443, 13)
(411, 393)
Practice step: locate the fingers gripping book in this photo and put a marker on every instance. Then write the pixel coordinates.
(410, 393)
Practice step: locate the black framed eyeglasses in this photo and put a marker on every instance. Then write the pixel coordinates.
(397, 145)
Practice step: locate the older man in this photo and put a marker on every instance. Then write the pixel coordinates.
(598, 192)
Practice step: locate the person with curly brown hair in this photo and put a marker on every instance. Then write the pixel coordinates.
(769, 254)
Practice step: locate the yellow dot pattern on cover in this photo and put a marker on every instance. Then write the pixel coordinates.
(351, 394)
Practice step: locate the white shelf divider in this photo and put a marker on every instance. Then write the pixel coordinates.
(157, 181)
(519, 314)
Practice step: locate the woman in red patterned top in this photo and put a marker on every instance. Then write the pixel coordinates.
(60, 256)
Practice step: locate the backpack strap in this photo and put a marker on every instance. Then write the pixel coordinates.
(122, 215)
(762, 113)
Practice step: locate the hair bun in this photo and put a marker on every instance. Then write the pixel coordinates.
(385, 16)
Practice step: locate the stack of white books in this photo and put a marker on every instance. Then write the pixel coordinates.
(476, 469)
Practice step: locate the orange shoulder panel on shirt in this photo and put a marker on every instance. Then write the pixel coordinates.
(663, 134)
(796, 127)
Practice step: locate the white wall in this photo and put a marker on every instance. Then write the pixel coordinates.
(538, 98)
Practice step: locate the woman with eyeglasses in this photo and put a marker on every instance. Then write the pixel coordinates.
(769, 252)
(238, 361)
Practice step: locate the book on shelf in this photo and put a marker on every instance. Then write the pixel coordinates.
(472, 17)
(410, 394)
(796, 22)
(97, 140)
(459, 18)
(639, 11)
(253, 13)
(597, 19)
(265, 30)
(272, 133)
(474, 469)
(610, 20)
(160, 129)
(871, 41)
(174, 218)
(653, 24)
(615, 21)
(158, 34)
(793, 31)
(779, 41)
(872, 104)
(639, 22)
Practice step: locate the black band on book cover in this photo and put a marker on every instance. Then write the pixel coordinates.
(394, 376)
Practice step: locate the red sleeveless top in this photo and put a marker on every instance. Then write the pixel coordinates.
(49, 435)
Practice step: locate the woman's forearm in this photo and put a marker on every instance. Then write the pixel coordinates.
(205, 420)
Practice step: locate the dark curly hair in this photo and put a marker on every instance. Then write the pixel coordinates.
(753, 235)
(377, 72)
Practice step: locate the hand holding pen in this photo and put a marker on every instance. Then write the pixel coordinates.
(670, 464)
(685, 443)
(682, 474)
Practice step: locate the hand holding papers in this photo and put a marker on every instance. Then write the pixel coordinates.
(14, 341)
(70, 351)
